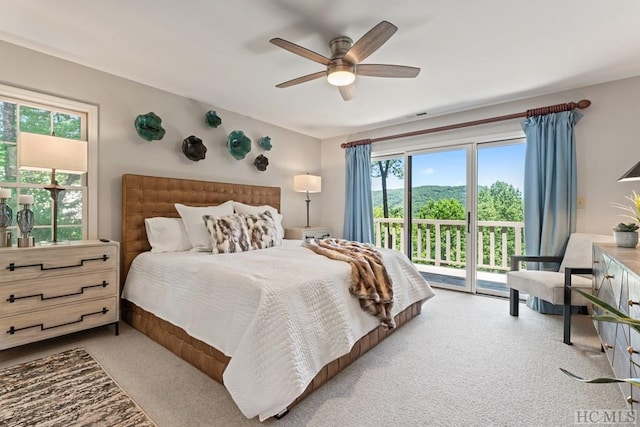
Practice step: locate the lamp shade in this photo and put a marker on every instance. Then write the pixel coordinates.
(304, 183)
(632, 174)
(45, 152)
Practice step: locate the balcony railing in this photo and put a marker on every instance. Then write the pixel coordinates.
(443, 242)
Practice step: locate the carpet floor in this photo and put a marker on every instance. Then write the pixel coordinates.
(65, 389)
(463, 362)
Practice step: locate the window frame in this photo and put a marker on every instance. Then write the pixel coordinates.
(90, 211)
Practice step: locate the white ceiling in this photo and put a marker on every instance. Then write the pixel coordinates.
(472, 53)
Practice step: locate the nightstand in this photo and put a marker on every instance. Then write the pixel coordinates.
(47, 291)
(303, 233)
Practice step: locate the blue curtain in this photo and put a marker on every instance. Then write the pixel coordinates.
(358, 213)
(550, 194)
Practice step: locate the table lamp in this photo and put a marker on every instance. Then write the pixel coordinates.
(307, 184)
(52, 153)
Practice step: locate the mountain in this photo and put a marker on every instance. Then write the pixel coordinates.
(421, 195)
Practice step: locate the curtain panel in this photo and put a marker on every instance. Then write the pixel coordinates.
(550, 188)
(358, 213)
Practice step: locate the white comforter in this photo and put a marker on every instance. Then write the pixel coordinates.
(281, 313)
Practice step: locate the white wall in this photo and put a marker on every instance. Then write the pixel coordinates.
(607, 142)
(121, 150)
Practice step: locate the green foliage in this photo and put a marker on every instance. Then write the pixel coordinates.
(421, 195)
(394, 212)
(633, 209)
(611, 314)
(442, 209)
(382, 168)
(631, 226)
(498, 202)
(44, 122)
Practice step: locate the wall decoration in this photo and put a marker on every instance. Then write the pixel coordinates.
(212, 119)
(238, 144)
(149, 126)
(261, 162)
(193, 148)
(265, 143)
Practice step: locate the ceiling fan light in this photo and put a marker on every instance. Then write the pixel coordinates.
(341, 77)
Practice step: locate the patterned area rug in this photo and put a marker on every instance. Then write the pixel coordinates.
(66, 389)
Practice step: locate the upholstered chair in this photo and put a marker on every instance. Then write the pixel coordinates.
(574, 271)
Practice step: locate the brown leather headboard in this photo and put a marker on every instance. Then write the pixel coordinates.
(151, 196)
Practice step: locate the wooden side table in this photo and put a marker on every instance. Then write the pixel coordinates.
(48, 291)
(303, 233)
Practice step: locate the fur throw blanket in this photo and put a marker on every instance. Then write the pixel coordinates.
(370, 282)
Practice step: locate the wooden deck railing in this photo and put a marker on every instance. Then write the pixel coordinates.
(443, 242)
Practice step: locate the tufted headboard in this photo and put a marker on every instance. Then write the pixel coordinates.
(152, 196)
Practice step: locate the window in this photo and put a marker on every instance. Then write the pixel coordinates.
(27, 111)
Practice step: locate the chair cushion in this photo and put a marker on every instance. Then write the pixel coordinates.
(548, 285)
(579, 251)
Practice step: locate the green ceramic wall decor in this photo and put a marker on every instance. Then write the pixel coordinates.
(193, 148)
(265, 143)
(212, 119)
(238, 144)
(149, 126)
(261, 162)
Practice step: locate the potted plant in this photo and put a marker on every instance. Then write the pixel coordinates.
(626, 235)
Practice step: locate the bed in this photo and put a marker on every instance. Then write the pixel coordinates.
(236, 359)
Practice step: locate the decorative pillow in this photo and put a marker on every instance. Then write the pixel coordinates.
(194, 224)
(228, 234)
(277, 218)
(167, 235)
(261, 229)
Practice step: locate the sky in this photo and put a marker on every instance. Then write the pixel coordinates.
(497, 163)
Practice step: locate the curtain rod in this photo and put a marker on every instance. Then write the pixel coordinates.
(529, 113)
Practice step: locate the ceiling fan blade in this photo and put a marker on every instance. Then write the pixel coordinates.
(347, 92)
(370, 42)
(303, 79)
(299, 50)
(383, 70)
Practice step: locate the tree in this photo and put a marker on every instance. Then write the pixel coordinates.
(381, 169)
(500, 202)
(442, 209)
(44, 122)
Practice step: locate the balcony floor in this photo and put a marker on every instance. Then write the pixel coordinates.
(456, 277)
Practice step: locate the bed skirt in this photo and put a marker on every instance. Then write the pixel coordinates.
(213, 363)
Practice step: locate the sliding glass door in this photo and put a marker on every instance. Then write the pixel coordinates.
(456, 211)
(500, 212)
(440, 216)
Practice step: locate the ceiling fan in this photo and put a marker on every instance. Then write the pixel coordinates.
(346, 57)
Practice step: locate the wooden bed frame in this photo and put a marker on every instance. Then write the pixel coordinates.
(150, 196)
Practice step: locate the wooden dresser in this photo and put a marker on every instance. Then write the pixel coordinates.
(616, 275)
(47, 291)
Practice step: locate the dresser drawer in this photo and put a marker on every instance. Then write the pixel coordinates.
(47, 262)
(16, 297)
(42, 324)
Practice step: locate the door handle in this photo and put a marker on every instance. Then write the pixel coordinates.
(468, 222)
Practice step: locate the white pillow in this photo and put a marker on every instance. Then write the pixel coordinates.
(194, 223)
(257, 210)
(167, 235)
